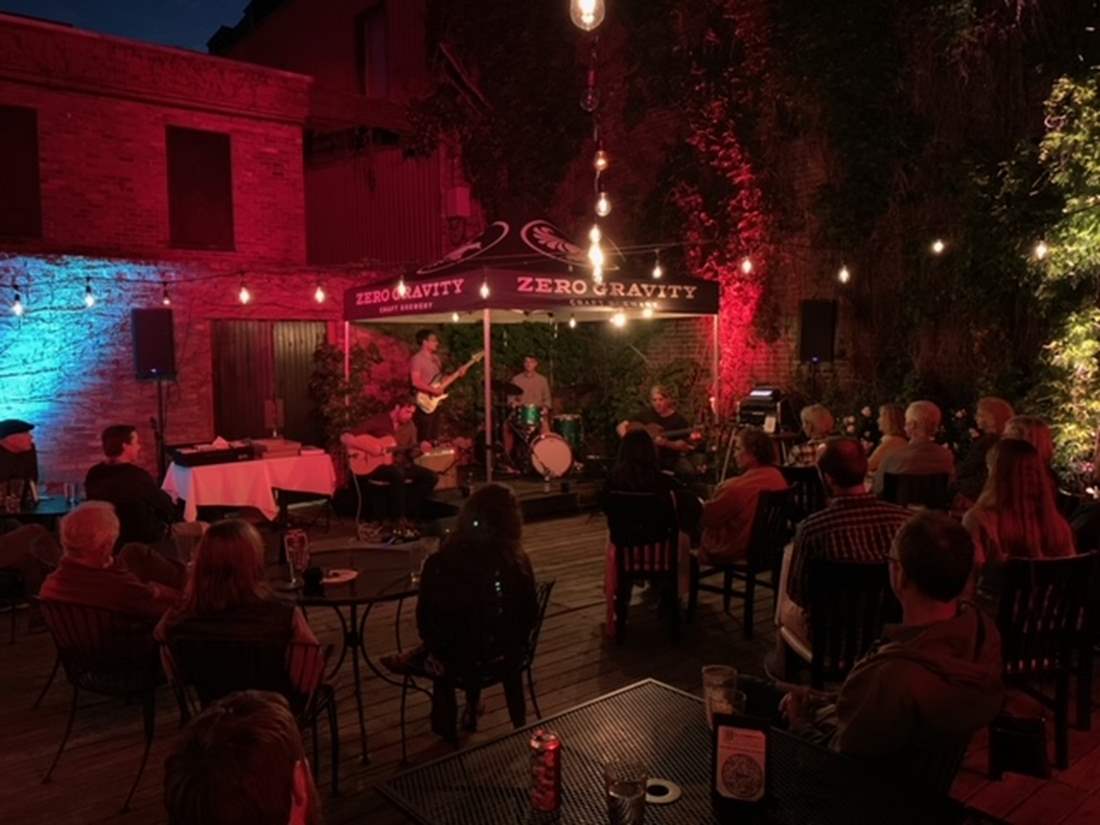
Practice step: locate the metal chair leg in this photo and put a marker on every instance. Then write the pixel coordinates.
(65, 736)
(404, 697)
(334, 742)
(1061, 720)
(750, 602)
(316, 748)
(49, 683)
(531, 690)
(149, 718)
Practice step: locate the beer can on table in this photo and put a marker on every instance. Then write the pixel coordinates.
(545, 771)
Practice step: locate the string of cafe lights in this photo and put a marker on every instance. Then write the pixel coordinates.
(587, 15)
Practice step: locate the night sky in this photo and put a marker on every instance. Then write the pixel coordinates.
(186, 23)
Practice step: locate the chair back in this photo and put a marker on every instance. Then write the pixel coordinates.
(644, 530)
(1044, 613)
(917, 490)
(103, 651)
(771, 530)
(542, 594)
(850, 603)
(807, 491)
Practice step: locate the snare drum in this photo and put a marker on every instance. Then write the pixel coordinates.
(529, 416)
(551, 456)
(570, 428)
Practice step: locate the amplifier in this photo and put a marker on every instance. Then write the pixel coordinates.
(767, 408)
(200, 455)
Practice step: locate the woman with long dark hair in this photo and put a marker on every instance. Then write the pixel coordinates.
(637, 469)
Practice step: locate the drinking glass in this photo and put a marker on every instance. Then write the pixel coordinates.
(624, 785)
(720, 694)
(296, 544)
(418, 554)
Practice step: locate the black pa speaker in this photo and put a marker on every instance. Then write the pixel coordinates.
(818, 331)
(154, 343)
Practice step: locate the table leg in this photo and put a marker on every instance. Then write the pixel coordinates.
(354, 641)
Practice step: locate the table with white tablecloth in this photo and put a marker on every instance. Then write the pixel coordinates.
(249, 483)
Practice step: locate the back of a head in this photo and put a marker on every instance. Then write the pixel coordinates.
(636, 465)
(1035, 431)
(820, 416)
(115, 438)
(926, 416)
(228, 568)
(234, 763)
(998, 409)
(90, 531)
(843, 462)
(491, 520)
(936, 554)
(759, 445)
(1020, 490)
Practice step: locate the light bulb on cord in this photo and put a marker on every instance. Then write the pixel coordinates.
(165, 299)
(746, 265)
(647, 312)
(938, 246)
(89, 297)
(319, 294)
(402, 290)
(17, 308)
(572, 321)
(587, 14)
(603, 205)
(244, 296)
(600, 161)
(485, 290)
(594, 234)
(1041, 250)
(454, 317)
(658, 272)
(619, 319)
(843, 275)
(597, 274)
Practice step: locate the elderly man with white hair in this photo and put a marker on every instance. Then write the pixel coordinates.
(817, 424)
(89, 574)
(922, 455)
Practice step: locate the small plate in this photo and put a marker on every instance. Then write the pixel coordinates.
(661, 792)
(339, 575)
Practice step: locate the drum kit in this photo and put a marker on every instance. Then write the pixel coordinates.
(548, 455)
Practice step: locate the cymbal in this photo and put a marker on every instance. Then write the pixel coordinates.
(505, 387)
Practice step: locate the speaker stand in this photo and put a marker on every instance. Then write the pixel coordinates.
(814, 362)
(158, 431)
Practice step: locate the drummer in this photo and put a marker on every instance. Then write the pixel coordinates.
(536, 390)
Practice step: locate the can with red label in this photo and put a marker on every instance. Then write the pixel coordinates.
(545, 771)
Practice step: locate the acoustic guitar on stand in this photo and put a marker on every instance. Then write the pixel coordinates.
(429, 403)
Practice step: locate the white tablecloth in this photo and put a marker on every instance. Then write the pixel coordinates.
(249, 483)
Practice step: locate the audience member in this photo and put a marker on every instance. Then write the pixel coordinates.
(18, 461)
(922, 455)
(637, 469)
(817, 424)
(89, 573)
(855, 526)
(477, 606)
(1016, 516)
(929, 683)
(891, 423)
(991, 417)
(228, 598)
(728, 516)
(241, 761)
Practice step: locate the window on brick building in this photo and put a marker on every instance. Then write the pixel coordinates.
(200, 189)
(20, 195)
(371, 51)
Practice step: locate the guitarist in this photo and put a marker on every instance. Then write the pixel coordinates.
(405, 500)
(424, 370)
(671, 452)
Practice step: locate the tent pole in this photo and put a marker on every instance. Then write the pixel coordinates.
(347, 350)
(714, 368)
(487, 345)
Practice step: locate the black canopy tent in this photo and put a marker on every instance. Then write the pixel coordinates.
(516, 272)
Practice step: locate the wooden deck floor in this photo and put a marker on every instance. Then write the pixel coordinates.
(574, 664)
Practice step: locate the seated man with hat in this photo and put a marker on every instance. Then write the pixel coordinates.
(29, 549)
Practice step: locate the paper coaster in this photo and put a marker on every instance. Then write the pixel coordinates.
(339, 575)
(661, 792)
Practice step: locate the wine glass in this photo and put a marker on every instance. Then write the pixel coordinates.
(296, 544)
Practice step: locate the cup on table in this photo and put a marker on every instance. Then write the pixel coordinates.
(296, 545)
(69, 491)
(624, 787)
(720, 693)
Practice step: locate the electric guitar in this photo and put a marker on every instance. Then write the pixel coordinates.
(429, 403)
(367, 453)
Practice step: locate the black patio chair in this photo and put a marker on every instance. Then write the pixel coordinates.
(1044, 615)
(771, 531)
(109, 654)
(505, 669)
(13, 595)
(807, 491)
(850, 603)
(930, 490)
(644, 531)
(205, 670)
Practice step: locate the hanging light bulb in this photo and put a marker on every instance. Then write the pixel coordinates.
(594, 234)
(89, 296)
(746, 265)
(1041, 250)
(319, 294)
(619, 319)
(658, 272)
(17, 308)
(244, 296)
(454, 317)
(587, 14)
(402, 289)
(603, 205)
(843, 275)
(647, 312)
(600, 161)
(572, 321)
(484, 290)
(165, 298)
(938, 246)
(597, 274)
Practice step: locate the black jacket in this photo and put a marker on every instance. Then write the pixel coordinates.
(144, 510)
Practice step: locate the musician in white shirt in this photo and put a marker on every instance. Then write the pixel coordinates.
(426, 376)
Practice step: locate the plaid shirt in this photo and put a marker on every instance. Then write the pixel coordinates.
(805, 454)
(851, 528)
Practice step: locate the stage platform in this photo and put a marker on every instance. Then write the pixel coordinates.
(539, 500)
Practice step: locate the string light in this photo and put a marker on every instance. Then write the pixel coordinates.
(843, 275)
(603, 205)
(165, 298)
(454, 317)
(572, 321)
(600, 161)
(319, 294)
(746, 265)
(1041, 250)
(89, 296)
(658, 272)
(938, 246)
(17, 308)
(244, 296)
(597, 274)
(485, 290)
(619, 319)
(587, 14)
(647, 312)
(402, 290)
(594, 234)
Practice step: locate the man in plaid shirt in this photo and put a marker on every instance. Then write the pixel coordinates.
(856, 526)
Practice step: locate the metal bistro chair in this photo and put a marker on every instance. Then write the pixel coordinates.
(929, 490)
(500, 670)
(1044, 615)
(210, 669)
(106, 653)
(770, 533)
(850, 603)
(807, 491)
(13, 595)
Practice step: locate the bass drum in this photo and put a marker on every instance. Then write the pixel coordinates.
(551, 456)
